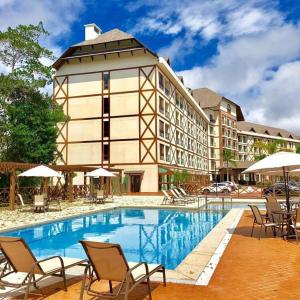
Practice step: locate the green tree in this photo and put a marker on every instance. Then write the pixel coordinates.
(28, 125)
(267, 148)
(180, 177)
(229, 158)
(22, 53)
(298, 149)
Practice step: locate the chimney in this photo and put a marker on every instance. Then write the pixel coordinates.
(91, 31)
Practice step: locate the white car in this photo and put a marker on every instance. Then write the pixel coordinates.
(221, 187)
(232, 185)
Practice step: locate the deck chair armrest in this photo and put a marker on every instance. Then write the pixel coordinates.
(129, 272)
(38, 263)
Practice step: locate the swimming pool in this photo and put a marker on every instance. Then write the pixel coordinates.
(163, 236)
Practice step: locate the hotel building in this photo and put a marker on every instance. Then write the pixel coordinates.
(223, 116)
(127, 109)
(229, 130)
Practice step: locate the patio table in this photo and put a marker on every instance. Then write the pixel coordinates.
(288, 217)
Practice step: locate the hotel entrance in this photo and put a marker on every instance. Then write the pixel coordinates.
(134, 180)
(135, 183)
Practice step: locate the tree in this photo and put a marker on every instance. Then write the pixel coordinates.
(298, 149)
(229, 158)
(180, 177)
(21, 52)
(266, 148)
(29, 127)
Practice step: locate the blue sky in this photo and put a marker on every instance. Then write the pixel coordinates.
(248, 51)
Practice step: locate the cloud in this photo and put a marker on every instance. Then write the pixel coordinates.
(209, 18)
(260, 72)
(57, 16)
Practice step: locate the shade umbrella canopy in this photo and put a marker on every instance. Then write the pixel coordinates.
(100, 173)
(288, 161)
(40, 171)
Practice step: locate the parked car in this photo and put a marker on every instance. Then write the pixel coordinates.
(221, 187)
(279, 188)
(232, 185)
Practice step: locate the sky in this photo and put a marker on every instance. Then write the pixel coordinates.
(246, 50)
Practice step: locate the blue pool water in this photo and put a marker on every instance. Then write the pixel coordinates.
(163, 236)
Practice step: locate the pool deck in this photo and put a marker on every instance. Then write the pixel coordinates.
(249, 269)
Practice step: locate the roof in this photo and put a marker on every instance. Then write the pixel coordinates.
(208, 99)
(114, 35)
(267, 130)
(109, 36)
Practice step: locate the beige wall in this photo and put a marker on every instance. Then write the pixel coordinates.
(84, 153)
(124, 128)
(99, 63)
(84, 130)
(85, 107)
(127, 152)
(86, 84)
(124, 104)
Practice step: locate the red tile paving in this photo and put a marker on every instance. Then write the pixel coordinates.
(249, 269)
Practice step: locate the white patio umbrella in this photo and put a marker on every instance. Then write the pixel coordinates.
(283, 162)
(40, 171)
(100, 173)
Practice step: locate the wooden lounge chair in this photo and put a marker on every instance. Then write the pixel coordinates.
(107, 262)
(296, 224)
(26, 269)
(259, 220)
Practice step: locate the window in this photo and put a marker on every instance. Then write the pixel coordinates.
(168, 153)
(167, 131)
(161, 105)
(161, 81)
(161, 152)
(106, 129)
(106, 152)
(167, 88)
(161, 129)
(229, 108)
(106, 81)
(106, 105)
(167, 113)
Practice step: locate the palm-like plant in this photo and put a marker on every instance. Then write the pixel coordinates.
(228, 157)
(266, 148)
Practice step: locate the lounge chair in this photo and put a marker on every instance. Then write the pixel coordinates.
(107, 262)
(39, 203)
(167, 198)
(259, 220)
(99, 197)
(178, 199)
(296, 224)
(20, 197)
(26, 269)
(190, 198)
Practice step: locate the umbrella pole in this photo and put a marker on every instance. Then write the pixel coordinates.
(287, 194)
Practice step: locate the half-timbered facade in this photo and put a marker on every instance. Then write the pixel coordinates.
(127, 109)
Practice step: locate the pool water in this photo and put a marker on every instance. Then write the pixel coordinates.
(163, 236)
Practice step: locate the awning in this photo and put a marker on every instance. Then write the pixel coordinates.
(134, 172)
